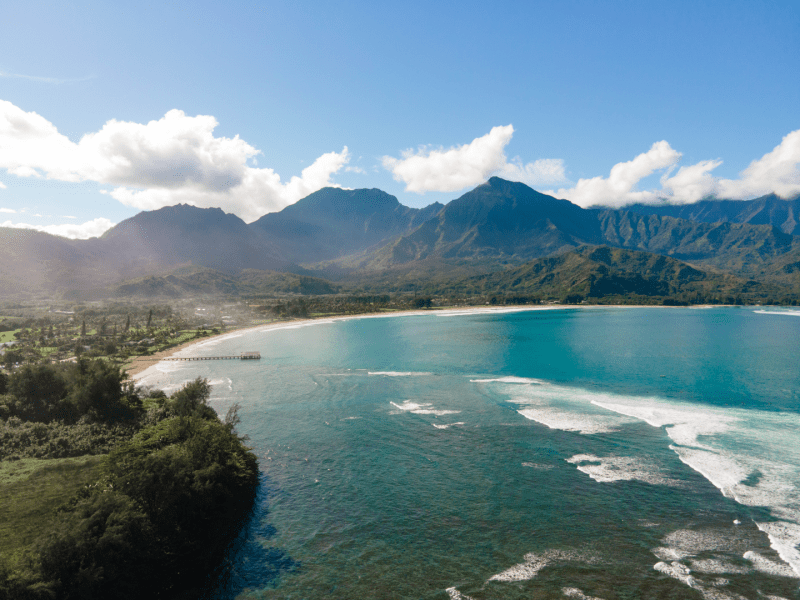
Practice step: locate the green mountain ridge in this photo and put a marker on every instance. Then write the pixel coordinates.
(365, 239)
(766, 210)
(598, 271)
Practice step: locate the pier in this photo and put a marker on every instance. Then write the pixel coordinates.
(242, 356)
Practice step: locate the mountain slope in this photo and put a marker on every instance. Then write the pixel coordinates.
(198, 281)
(509, 222)
(594, 272)
(333, 222)
(184, 234)
(33, 262)
(766, 210)
(499, 219)
(740, 248)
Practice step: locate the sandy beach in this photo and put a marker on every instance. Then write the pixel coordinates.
(142, 363)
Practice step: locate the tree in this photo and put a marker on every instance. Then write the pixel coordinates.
(149, 318)
(98, 392)
(40, 391)
(128, 323)
(83, 328)
(99, 549)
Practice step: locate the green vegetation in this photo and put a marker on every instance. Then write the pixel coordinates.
(8, 336)
(107, 490)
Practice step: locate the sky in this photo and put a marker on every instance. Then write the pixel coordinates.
(107, 109)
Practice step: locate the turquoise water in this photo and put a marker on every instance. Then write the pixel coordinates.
(572, 453)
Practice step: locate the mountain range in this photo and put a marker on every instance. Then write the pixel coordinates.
(338, 239)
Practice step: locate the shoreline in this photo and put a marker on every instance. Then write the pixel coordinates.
(141, 364)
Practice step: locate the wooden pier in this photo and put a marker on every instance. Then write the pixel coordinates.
(242, 356)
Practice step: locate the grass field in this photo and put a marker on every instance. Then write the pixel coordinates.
(30, 492)
(7, 336)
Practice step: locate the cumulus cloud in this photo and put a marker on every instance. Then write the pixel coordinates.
(2, 185)
(7, 210)
(174, 159)
(75, 231)
(776, 172)
(618, 187)
(452, 169)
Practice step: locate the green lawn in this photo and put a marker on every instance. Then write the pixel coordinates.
(8, 336)
(30, 492)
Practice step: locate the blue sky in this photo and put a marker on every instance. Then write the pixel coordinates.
(109, 109)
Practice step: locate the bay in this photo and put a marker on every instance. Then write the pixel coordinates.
(565, 453)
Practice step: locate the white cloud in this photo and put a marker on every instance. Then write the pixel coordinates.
(458, 167)
(2, 185)
(76, 231)
(618, 187)
(776, 172)
(8, 210)
(174, 159)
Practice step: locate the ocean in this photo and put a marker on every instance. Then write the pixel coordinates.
(595, 453)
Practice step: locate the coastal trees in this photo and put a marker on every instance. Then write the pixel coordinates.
(168, 498)
(68, 392)
(38, 393)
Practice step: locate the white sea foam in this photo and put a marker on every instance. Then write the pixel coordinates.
(749, 455)
(456, 595)
(533, 563)
(709, 590)
(570, 420)
(783, 538)
(577, 593)
(537, 466)
(722, 471)
(670, 554)
(791, 313)
(713, 566)
(422, 409)
(559, 407)
(400, 373)
(689, 542)
(523, 571)
(224, 382)
(620, 468)
(508, 380)
(447, 425)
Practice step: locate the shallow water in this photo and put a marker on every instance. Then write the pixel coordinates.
(603, 453)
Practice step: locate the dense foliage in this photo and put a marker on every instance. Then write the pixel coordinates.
(174, 486)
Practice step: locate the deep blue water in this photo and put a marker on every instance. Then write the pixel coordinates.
(571, 453)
